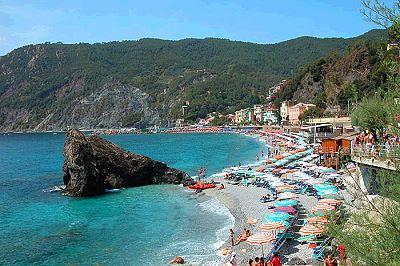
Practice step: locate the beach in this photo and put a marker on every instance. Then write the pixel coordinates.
(243, 202)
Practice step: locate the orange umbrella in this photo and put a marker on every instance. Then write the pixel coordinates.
(310, 229)
(317, 220)
(330, 201)
(260, 169)
(323, 207)
(272, 226)
(260, 240)
(277, 170)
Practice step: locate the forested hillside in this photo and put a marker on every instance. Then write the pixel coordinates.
(145, 82)
(339, 79)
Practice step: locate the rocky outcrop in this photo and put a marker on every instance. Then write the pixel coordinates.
(92, 165)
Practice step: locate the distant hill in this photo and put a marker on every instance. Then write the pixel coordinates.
(145, 82)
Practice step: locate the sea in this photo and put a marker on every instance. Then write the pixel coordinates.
(136, 226)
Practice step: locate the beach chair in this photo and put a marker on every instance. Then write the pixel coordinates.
(287, 235)
(319, 255)
(303, 190)
(304, 239)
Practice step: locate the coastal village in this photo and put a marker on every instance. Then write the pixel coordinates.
(233, 153)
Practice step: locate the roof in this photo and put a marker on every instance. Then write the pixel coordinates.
(346, 136)
(303, 104)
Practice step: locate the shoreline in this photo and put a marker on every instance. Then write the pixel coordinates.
(243, 203)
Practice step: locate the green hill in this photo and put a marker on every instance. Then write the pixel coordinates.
(144, 82)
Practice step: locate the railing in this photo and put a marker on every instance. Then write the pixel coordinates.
(383, 156)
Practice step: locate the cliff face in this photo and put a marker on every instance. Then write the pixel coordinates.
(92, 165)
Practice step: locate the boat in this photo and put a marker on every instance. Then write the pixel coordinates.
(202, 186)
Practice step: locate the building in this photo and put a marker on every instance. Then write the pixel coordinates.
(269, 116)
(296, 110)
(284, 111)
(240, 116)
(250, 118)
(259, 111)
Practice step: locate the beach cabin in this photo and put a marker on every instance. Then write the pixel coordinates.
(329, 145)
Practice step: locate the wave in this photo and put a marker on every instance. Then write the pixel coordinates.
(215, 206)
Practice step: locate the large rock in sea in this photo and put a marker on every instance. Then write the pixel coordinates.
(92, 165)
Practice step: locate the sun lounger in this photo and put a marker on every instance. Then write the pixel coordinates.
(287, 235)
(304, 239)
(319, 255)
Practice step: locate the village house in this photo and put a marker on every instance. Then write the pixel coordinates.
(240, 116)
(284, 111)
(269, 116)
(296, 110)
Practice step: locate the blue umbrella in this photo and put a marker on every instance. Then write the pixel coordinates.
(280, 215)
(288, 202)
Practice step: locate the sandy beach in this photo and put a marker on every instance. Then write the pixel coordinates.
(243, 202)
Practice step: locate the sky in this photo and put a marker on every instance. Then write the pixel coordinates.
(260, 21)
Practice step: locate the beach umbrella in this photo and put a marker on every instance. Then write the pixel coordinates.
(330, 201)
(323, 207)
(283, 215)
(310, 229)
(260, 240)
(317, 220)
(287, 195)
(287, 209)
(260, 169)
(272, 226)
(288, 202)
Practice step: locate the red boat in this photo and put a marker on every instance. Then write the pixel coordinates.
(202, 186)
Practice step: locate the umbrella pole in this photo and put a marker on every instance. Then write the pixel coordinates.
(262, 249)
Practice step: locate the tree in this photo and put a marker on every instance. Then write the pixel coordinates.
(312, 112)
(371, 228)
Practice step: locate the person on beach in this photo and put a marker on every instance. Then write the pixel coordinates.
(221, 187)
(233, 260)
(276, 260)
(257, 158)
(262, 262)
(232, 236)
(243, 237)
(256, 261)
(330, 261)
(250, 262)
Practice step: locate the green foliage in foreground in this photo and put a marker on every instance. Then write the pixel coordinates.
(372, 234)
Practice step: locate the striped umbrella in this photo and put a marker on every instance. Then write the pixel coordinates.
(260, 240)
(330, 201)
(323, 207)
(272, 226)
(317, 220)
(286, 195)
(310, 229)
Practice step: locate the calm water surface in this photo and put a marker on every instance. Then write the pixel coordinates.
(137, 226)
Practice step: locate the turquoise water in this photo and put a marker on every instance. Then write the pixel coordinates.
(137, 226)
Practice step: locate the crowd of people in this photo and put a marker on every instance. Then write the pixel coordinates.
(376, 144)
(259, 261)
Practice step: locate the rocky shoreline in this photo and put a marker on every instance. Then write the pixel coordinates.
(92, 165)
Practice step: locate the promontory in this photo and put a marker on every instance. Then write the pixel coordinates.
(92, 165)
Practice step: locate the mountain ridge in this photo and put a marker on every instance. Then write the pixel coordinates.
(49, 86)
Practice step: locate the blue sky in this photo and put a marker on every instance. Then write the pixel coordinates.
(261, 21)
